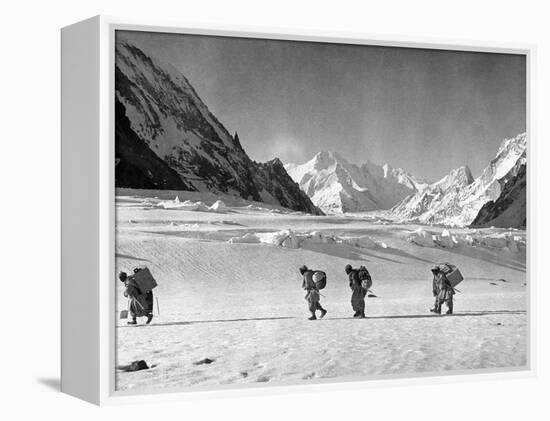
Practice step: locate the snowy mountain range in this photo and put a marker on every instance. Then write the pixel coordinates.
(166, 138)
(457, 198)
(337, 186)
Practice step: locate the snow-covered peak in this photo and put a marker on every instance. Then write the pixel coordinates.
(326, 159)
(323, 160)
(336, 185)
(514, 145)
(458, 178)
(275, 162)
(511, 154)
(403, 177)
(161, 102)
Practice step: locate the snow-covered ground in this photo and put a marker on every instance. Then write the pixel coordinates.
(239, 303)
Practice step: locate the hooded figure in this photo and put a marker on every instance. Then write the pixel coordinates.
(312, 296)
(442, 290)
(139, 305)
(358, 293)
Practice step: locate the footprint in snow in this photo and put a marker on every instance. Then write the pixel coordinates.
(263, 379)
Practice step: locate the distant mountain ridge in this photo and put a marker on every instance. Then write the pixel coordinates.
(338, 186)
(170, 120)
(457, 198)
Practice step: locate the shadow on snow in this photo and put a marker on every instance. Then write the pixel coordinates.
(127, 256)
(396, 316)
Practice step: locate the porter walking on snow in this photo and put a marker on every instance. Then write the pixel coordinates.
(359, 280)
(443, 291)
(312, 287)
(147, 282)
(140, 304)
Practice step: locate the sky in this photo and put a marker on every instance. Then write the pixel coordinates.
(426, 111)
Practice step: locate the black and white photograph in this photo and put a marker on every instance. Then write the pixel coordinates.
(300, 212)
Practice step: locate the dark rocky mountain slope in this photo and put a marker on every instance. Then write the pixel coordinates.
(166, 113)
(510, 208)
(137, 166)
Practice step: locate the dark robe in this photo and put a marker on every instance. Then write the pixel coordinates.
(443, 292)
(312, 296)
(442, 288)
(358, 293)
(140, 304)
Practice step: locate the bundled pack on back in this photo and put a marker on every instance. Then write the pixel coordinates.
(364, 276)
(320, 279)
(452, 272)
(145, 280)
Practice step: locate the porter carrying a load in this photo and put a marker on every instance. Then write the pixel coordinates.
(452, 273)
(312, 282)
(445, 278)
(320, 279)
(139, 290)
(359, 282)
(364, 276)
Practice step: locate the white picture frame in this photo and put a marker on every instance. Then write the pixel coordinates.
(88, 222)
